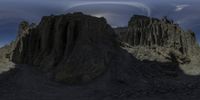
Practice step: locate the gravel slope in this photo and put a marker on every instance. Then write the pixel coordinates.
(136, 80)
(28, 83)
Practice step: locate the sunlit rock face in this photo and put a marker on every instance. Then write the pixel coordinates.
(159, 40)
(75, 47)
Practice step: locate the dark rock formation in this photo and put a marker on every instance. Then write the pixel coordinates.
(78, 48)
(154, 34)
(74, 47)
(150, 31)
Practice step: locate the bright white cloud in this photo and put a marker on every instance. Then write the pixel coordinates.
(181, 7)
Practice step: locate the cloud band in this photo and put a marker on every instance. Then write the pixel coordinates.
(132, 4)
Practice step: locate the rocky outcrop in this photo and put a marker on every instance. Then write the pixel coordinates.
(5, 64)
(161, 36)
(4, 52)
(150, 31)
(74, 47)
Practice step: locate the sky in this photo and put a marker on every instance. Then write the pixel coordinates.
(117, 12)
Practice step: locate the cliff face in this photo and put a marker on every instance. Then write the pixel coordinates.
(145, 31)
(75, 47)
(160, 39)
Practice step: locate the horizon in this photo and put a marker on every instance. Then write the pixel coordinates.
(117, 13)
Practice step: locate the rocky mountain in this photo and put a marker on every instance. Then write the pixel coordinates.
(69, 47)
(147, 31)
(75, 47)
(160, 40)
(151, 58)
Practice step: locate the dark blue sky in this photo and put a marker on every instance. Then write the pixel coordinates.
(117, 12)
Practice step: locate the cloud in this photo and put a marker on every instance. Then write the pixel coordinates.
(104, 14)
(181, 7)
(132, 4)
